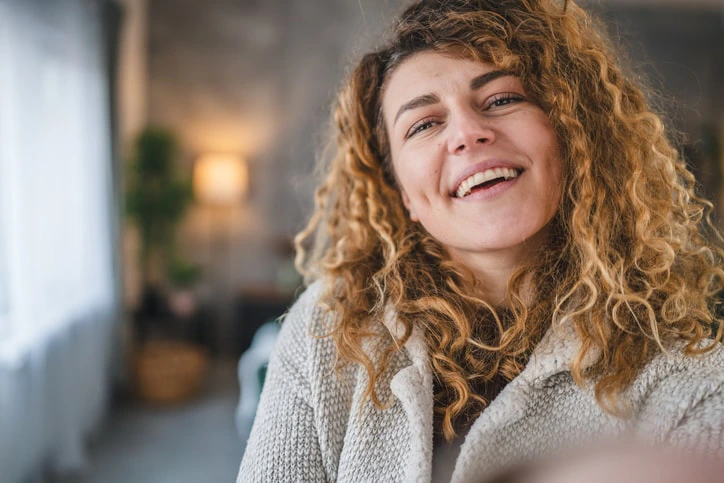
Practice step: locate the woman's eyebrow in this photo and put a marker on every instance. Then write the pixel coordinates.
(428, 99)
(420, 101)
(483, 79)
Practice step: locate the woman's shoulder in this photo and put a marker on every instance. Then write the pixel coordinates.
(307, 319)
(305, 340)
(308, 302)
(312, 319)
(676, 364)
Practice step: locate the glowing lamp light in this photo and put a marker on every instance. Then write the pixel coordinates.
(220, 179)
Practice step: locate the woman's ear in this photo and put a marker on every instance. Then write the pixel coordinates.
(408, 205)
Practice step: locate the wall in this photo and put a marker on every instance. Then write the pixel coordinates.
(254, 78)
(681, 52)
(132, 114)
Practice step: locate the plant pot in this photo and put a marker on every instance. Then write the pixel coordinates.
(168, 372)
(182, 303)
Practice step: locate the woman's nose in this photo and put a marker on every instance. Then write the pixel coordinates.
(467, 130)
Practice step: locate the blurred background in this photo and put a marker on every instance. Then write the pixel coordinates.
(156, 159)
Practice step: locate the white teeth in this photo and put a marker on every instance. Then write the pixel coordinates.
(479, 178)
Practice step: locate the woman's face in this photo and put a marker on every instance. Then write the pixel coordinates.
(477, 162)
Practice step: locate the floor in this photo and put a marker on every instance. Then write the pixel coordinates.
(192, 443)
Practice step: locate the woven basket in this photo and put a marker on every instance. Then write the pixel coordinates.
(168, 372)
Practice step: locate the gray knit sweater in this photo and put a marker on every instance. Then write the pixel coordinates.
(312, 426)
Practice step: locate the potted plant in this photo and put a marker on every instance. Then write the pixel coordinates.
(157, 197)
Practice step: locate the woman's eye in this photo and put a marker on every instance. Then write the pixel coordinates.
(420, 126)
(504, 99)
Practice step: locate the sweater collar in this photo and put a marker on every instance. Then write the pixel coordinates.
(555, 353)
(414, 345)
(412, 386)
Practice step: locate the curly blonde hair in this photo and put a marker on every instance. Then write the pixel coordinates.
(629, 262)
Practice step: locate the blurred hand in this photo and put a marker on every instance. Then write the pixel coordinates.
(622, 463)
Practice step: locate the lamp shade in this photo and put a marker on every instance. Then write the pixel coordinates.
(220, 179)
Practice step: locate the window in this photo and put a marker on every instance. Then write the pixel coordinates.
(55, 166)
(3, 272)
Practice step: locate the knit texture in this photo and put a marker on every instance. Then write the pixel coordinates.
(311, 424)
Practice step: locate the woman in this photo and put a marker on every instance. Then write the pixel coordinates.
(508, 258)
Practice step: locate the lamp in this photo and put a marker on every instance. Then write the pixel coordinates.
(220, 182)
(220, 179)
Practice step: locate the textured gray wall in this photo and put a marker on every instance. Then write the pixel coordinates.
(257, 78)
(681, 52)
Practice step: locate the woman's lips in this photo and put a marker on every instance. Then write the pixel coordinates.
(483, 192)
(486, 168)
(485, 180)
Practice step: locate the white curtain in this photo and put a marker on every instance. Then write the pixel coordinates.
(58, 294)
(3, 273)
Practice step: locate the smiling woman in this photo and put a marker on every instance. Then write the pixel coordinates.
(506, 248)
(477, 162)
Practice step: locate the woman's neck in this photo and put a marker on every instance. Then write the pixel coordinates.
(492, 272)
(493, 269)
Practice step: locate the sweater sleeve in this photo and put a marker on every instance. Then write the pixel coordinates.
(283, 445)
(685, 408)
(701, 425)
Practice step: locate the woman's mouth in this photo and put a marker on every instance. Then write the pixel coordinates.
(486, 179)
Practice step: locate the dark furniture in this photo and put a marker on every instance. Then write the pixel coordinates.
(254, 306)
